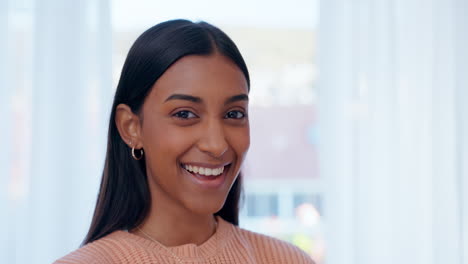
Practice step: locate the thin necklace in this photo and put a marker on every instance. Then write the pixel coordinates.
(172, 253)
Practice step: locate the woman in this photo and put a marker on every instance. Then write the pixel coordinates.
(178, 135)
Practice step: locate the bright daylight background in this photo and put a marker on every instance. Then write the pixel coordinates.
(358, 119)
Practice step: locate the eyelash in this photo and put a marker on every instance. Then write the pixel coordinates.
(178, 114)
(187, 112)
(237, 111)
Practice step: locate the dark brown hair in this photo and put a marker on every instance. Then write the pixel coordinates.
(124, 200)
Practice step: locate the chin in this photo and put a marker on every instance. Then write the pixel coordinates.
(203, 206)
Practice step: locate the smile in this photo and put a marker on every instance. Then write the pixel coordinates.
(207, 176)
(204, 171)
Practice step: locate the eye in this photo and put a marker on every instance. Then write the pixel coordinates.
(235, 114)
(184, 114)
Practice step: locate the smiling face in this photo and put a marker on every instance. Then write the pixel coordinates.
(195, 132)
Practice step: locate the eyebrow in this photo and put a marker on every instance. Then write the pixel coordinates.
(198, 100)
(184, 97)
(235, 98)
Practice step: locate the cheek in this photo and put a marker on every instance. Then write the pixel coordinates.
(164, 142)
(240, 141)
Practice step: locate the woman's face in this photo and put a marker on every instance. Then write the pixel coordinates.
(195, 123)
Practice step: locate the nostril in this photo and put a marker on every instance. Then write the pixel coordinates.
(213, 149)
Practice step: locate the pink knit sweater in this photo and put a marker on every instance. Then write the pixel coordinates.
(230, 244)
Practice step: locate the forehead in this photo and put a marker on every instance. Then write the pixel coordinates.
(213, 75)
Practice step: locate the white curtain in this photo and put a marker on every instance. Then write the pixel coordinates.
(5, 131)
(56, 91)
(393, 95)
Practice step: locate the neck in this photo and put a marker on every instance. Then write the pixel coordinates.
(172, 226)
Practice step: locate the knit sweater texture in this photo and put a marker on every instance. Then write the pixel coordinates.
(229, 244)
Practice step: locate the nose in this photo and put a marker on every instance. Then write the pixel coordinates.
(213, 139)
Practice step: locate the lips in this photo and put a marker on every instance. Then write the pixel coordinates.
(202, 179)
(203, 170)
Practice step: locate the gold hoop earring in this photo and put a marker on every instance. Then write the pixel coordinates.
(134, 156)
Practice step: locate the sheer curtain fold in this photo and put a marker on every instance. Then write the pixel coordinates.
(65, 84)
(392, 121)
(461, 83)
(5, 125)
(72, 78)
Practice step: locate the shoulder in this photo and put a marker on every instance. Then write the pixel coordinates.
(273, 250)
(113, 248)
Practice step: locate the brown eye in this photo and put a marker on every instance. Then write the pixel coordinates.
(235, 115)
(185, 114)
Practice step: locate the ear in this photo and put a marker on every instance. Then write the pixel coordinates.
(128, 125)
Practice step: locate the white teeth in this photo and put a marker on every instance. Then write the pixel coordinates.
(204, 171)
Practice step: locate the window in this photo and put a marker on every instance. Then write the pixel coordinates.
(262, 205)
(315, 200)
